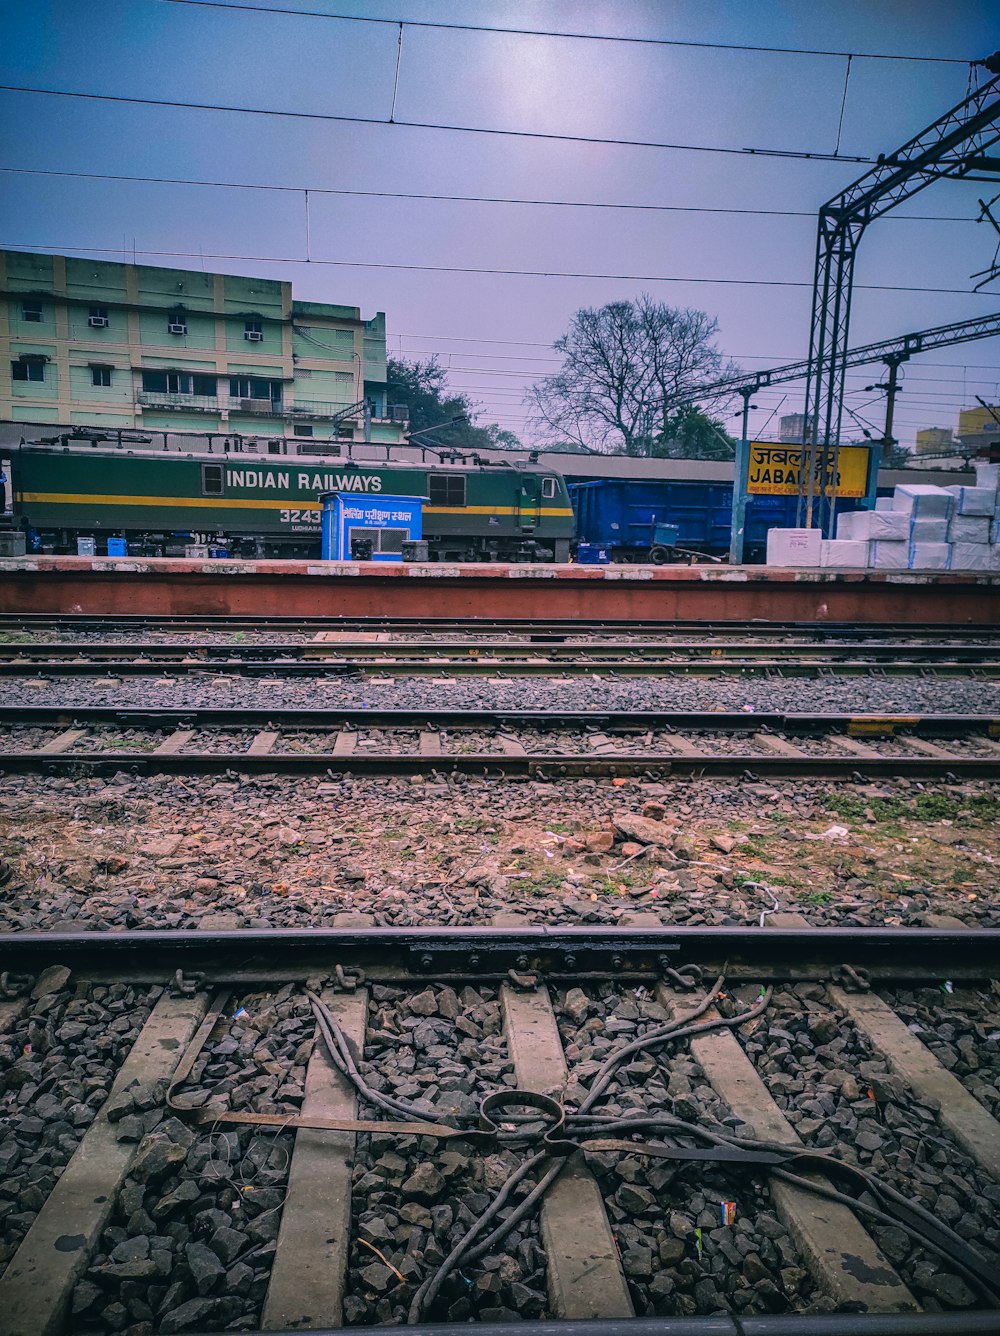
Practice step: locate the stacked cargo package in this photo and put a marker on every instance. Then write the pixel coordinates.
(928, 511)
(878, 538)
(918, 528)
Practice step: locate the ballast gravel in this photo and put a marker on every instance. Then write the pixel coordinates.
(837, 1093)
(961, 1027)
(413, 1198)
(679, 1256)
(830, 695)
(193, 1235)
(57, 1065)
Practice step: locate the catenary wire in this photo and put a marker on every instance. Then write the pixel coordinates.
(464, 199)
(473, 269)
(287, 113)
(569, 36)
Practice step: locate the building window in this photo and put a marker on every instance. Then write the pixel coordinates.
(548, 488)
(249, 387)
(101, 376)
(98, 318)
(211, 480)
(303, 431)
(32, 311)
(27, 368)
(178, 382)
(177, 323)
(252, 331)
(446, 489)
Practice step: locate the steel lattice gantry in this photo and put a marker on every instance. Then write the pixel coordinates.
(901, 348)
(954, 146)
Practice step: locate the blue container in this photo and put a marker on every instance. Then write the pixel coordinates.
(623, 516)
(219, 552)
(589, 554)
(117, 547)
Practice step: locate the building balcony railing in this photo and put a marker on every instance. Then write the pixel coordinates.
(258, 407)
(301, 410)
(202, 403)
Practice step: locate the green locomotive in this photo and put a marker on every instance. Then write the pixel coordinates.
(246, 505)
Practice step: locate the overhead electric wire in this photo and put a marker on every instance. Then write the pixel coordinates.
(462, 199)
(121, 98)
(568, 36)
(474, 269)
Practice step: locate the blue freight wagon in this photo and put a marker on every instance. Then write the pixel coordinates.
(623, 517)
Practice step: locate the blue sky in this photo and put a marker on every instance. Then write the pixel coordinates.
(493, 330)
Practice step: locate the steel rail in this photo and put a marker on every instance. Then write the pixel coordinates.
(707, 721)
(987, 649)
(749, 953)
(977, 1323)
(481, 667)
(533, 627)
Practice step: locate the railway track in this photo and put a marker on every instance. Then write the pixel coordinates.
(294, 1130)
(507, 658)
(541, 743)
(531, 628)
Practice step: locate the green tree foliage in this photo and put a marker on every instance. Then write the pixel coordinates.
(423, 387)
(691, 433)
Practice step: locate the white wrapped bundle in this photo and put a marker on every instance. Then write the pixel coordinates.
(969, 529)
(987, 476)
(844, 552)
(973, 500)
(929, 529)
(793, 547)
(971, 557)
(930, 556)
(888, 556)
(919, 499)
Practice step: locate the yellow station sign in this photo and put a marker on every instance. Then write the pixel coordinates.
(776, 470)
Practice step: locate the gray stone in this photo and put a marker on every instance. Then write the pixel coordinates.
(575, 1005)
(131, 1250)
(227, 1244)
(155, 1158)
(51, 980)
(950, 1290)
(378, 1278)
(192, 1314)
(425, 1183)
(206, 1269)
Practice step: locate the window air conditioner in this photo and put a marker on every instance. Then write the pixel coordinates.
(98, 322)
(253, 335)
(177, 327)
(399, 413)
(247, 405)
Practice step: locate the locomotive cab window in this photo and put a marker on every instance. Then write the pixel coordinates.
(548, 488)
(211, 480)
(446, 489)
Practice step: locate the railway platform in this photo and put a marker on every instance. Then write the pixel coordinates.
(171, 586)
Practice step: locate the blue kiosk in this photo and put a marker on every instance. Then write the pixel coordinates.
(369, 528)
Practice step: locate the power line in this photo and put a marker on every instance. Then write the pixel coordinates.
(570, 36)
(434, 125)
(464, 199)
(472, 269)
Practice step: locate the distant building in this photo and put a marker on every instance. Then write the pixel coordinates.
(791, 427)
(107, 345)
(935, 441)
(979, 428)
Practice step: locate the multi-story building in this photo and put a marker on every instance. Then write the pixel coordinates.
(791, 427)
(935, 441)
(979, 430)
(91, 343)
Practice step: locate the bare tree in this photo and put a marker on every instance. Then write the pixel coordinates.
(627, 367)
